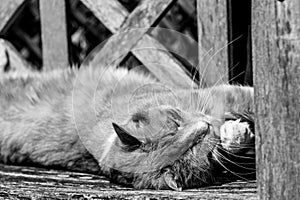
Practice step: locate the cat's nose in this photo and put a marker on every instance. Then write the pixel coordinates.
(195, 131)
(214, 124)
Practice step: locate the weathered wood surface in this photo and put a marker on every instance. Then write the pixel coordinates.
(7, 10)
(33, 183)
(276, 50)
(149, 51)
(10, 59)
(213, 41)
(54, 34)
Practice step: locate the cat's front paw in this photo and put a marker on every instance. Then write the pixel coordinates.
(236, 136)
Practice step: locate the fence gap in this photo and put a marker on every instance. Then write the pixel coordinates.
(239, 31)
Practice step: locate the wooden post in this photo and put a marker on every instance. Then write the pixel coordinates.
(276, 51)
(54, 34)
(213, 41)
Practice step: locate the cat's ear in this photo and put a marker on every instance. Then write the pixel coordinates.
(171, 182)
(125, 137)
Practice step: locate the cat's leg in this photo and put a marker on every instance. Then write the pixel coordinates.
(237, 147)
(236, 137)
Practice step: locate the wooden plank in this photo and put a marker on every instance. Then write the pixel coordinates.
(7, 9)
(33, 183)
(54, 34)
(276, 51)
(112, 14)
(10, 59)
(213, 41)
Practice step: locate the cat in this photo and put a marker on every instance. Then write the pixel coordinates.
(124, 125)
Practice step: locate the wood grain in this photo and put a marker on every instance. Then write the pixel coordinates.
(35, 183)
(276, 50)
(148, 50)
(7, 10)
(54, 34)
(213, 41)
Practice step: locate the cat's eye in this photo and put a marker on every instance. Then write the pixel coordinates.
(135, 120)
(139, 119)
(136, 123)
(174, 122)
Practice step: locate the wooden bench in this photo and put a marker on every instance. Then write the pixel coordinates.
(32, 183)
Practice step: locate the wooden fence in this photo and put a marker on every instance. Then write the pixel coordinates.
(276, 60)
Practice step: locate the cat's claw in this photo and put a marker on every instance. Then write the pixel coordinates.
(236, 135)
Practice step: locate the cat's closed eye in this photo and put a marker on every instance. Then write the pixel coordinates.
(136, 123)
(139, 119)
(176, 123)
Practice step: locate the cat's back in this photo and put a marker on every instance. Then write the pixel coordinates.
(37, 114)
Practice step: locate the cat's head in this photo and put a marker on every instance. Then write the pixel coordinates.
(165, 147)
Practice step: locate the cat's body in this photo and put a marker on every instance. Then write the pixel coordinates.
(118, 123)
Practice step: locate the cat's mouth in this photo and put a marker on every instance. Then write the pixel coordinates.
(206, 140)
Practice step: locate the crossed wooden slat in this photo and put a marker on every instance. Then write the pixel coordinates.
(147, 49)
(7, 10)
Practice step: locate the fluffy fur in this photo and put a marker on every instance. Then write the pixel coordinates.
(162, 138)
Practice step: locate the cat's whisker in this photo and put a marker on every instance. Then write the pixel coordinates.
(194, 78)
(211, 58)
(218, 51)
(236, 174)
(235, 163)
(239, 145)
(206, 99)
(232, 145)
(212, 141)
(201, 74)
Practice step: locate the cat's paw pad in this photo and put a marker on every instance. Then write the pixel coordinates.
(236, 135)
